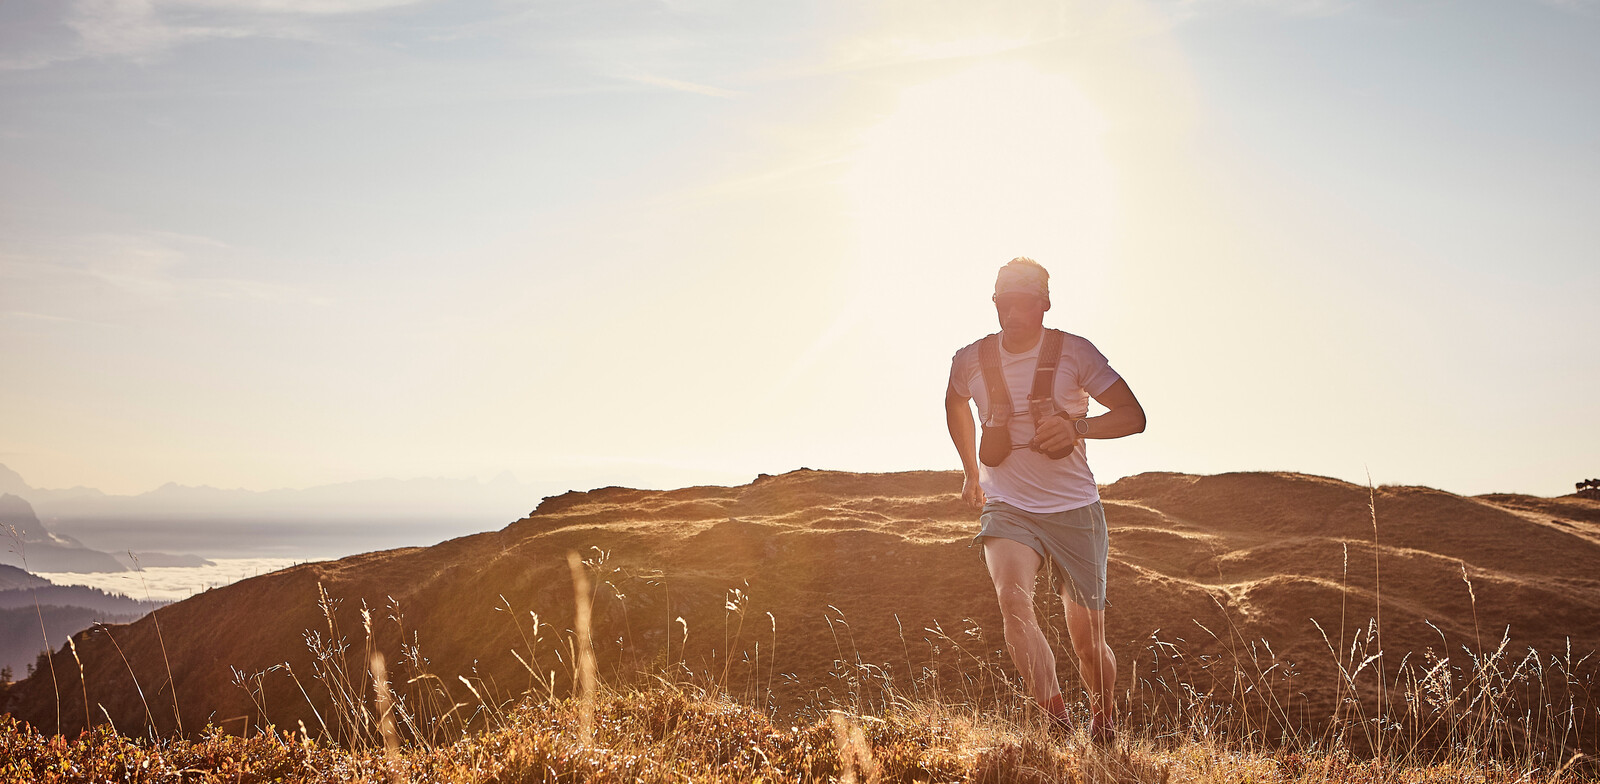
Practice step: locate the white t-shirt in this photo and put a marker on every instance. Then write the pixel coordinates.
(1027, 479)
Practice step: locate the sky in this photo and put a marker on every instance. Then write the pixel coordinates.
(285, 243)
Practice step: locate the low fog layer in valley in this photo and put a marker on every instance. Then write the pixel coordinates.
(77, 557)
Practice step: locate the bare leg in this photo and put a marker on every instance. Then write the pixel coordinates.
(1013, 567)
(1096, 663)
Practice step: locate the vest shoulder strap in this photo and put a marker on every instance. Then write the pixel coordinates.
(994, 379)
(1044, 373)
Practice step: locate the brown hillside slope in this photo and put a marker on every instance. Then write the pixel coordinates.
(858, 568)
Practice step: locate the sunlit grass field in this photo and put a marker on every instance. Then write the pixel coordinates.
(687, 732)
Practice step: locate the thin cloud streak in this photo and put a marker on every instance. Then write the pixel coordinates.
(682, 86)
(146, 267)
(1188, 9)
(142, 30)
(29, 316)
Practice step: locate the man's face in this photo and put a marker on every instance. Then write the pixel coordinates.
(1022, 312)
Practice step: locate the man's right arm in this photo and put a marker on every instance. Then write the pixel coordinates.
(964, 433)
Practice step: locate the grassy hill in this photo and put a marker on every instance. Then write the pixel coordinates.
(1262, 608)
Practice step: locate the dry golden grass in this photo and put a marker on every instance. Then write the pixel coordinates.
(674, 734)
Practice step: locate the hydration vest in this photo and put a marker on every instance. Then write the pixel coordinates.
(996, 445)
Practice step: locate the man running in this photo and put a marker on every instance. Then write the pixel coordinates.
(1033, 483)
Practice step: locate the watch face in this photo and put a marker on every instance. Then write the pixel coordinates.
(1082, 426)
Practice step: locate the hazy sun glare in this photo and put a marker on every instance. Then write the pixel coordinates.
(994, 161)
(963, 170)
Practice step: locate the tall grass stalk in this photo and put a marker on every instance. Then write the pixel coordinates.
(1377, 589)
(22, 553)
(155, 618)
(149, 718)
(585, 655)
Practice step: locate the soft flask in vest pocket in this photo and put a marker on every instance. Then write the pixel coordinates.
(1042, 409)
(995, 446)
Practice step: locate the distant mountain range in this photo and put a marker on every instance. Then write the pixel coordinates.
(32, 546)
(328, 520)
(95, 599)
(36, 615)
(82, 529)
(411, 499)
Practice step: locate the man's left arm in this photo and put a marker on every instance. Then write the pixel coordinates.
(1123, 417)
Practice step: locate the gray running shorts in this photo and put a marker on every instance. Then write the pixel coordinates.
(1074, 541)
